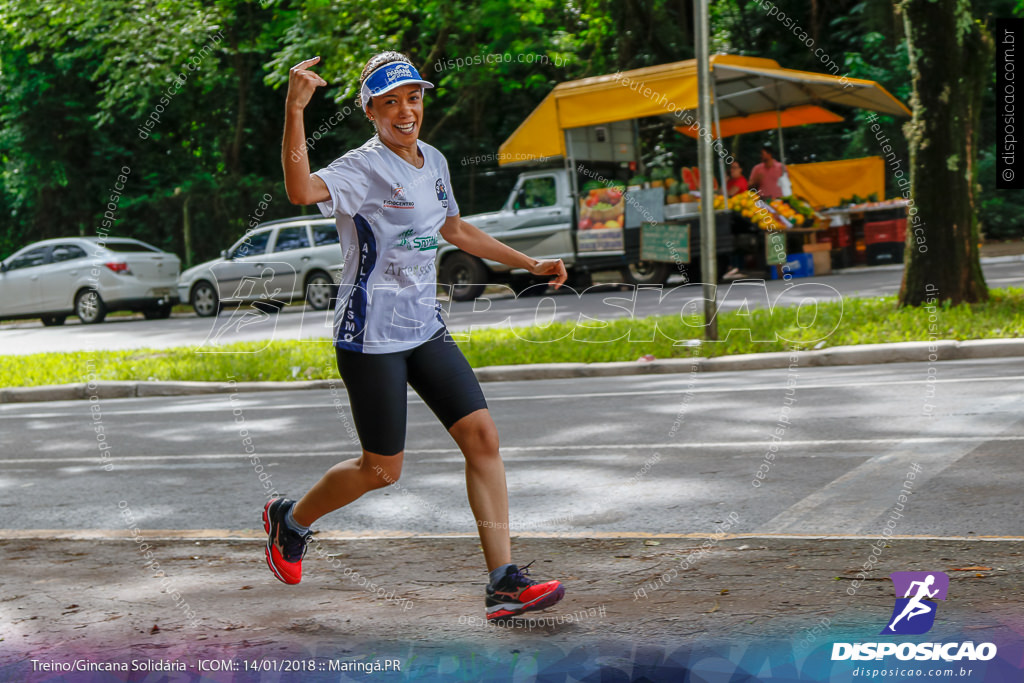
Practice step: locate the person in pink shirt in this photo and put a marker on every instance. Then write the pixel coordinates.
(765, 176)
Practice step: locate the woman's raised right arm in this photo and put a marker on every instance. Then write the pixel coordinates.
(300, 185)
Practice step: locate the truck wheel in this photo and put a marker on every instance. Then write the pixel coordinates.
(467, 275)
(646, 273)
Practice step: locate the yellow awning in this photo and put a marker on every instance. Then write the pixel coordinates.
(744, 86)
(533, 139)
(826, 182)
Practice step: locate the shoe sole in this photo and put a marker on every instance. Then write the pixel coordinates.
(270, 561)
(538, 603)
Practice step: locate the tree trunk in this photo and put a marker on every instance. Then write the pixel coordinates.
(950, 54)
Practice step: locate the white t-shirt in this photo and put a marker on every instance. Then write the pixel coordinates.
(389, 215)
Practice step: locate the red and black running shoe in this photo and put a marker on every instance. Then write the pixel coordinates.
(516, 593)
(285, 548)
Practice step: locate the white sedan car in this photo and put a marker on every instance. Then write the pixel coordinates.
(272, 265)
(88, 277)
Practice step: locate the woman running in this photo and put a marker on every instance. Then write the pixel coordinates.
(391, 199)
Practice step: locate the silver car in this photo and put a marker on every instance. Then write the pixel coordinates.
(88, 277)
(272, 265)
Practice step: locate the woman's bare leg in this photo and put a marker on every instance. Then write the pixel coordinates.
(346, 482)
(477, 437)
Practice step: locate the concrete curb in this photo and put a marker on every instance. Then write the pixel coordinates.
(1010, 258)
(81, 390)
(867, 354)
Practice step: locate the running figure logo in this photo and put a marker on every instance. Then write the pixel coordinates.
(914, 613)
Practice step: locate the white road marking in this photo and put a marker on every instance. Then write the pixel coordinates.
(243, 398)
(857, 499)
(572, 450)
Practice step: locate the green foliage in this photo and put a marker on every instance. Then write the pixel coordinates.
(78, 85)
(78, 80)
(851, 321)
(247, 361)
(1001, 211)
(132, 49)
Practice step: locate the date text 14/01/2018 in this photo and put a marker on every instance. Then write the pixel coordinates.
(333, 665)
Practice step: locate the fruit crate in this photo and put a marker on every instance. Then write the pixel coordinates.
(877, 232)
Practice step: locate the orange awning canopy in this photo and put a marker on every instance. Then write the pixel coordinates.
(769, 120)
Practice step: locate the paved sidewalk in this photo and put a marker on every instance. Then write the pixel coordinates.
(98, 597)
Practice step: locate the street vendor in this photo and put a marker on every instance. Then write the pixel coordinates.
(765, 176)
(736, 182)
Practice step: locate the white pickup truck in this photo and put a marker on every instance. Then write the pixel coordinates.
(539, 219)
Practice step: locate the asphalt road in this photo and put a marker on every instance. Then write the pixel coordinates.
(601, 303)
(667, 454)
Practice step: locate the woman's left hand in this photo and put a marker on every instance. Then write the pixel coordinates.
(551, 267)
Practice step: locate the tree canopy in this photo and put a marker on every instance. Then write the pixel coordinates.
(189, 95)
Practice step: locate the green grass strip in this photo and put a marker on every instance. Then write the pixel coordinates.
(851, 321)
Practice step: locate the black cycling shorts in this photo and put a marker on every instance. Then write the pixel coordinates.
(376, 385)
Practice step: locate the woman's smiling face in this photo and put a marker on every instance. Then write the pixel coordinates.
(398, 115)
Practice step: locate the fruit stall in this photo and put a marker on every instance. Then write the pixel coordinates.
(657, 218)
(817, 233)
(780, 233)
(865, 231)
(591, 126)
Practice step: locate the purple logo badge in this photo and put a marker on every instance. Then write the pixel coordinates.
(914, 612)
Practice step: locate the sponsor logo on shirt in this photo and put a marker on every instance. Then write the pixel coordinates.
(442, 195)
(422, 243)
(398, 200)
(425, 243)
(407, 271)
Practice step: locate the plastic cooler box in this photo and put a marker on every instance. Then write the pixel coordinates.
(797, 265)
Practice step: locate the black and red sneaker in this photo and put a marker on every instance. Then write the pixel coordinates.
(285, 548)
(516, 593)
